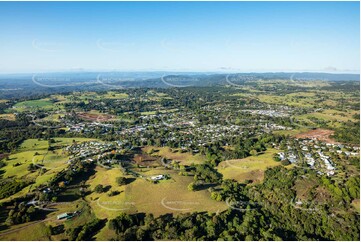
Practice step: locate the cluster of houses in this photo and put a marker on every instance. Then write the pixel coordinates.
(329, 167)
(91, 150)
(190, 131)
(214, 132)
(270, 113)
(289, 155)
(330, 147)
(271, 126)
(88, 127)
(310, 160)
(313, 153)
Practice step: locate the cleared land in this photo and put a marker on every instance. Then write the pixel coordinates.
(320, 134)
(34, 151)
(99, 117)
(335, 117)
(250, 168)
(185, 158)
(168, 196)
(34, 104)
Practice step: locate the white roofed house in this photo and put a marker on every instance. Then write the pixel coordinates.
(310, 161)
(292, 157)
(157, 177)
(329, 167)
(282, 156)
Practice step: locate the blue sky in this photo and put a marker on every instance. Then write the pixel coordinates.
(181, 36)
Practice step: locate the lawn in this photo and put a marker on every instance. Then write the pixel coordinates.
(250, 168)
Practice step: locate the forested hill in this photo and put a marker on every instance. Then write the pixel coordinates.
(16, 85)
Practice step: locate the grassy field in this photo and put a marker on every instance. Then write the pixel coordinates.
(185, 158)
(335, 116)
(296, 100)
(168, 196)
(28, 231)
(157, 96)
(9, 116)
(250, 168)
(307, 99)
(45, 103)
(39, 230)
(115, 95)
(105, 234)
(148, 113)
(291, 132)
(84, 96)
(53, 117)
(35, 144)
(160, 111)
(53, 161)
(103, 205)
(18, 163)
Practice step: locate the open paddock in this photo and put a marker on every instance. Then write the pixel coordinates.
(140, 195)
(250, 168)
(185, 158)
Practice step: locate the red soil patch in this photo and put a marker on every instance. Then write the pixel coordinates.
(319, 134)
(145, 160)
(95, 117)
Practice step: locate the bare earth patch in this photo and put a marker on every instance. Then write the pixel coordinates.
(145, 160)
(319, 134)
(95, 117)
